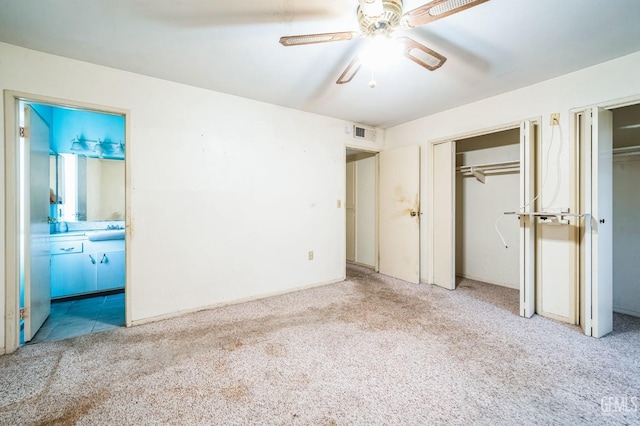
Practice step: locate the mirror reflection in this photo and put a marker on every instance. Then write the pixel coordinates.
(87, 189)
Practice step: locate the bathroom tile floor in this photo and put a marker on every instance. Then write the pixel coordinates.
(70, 318)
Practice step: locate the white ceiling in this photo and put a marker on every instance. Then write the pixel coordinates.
(232, 47)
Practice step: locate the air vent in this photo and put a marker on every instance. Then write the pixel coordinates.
(362, 132)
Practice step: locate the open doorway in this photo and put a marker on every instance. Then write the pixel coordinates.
(68, 224)
(360, 208)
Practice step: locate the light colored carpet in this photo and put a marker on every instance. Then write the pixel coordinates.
(370, 350)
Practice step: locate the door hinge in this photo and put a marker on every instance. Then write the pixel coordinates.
(23, 132)
(24, 313)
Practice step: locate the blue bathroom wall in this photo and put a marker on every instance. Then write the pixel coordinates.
(67, 125)
(71, 124)
(45, 111)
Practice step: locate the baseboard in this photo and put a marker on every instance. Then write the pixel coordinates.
(626, 311)
(364, 265)
(468, 277)
(231, 302)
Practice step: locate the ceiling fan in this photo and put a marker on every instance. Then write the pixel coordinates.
(379, 19)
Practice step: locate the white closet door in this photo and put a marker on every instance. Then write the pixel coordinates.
(527, 223)
(400, 213)
(350, 210)
(443, 215)
(598, 297)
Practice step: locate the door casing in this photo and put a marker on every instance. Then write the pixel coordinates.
(12, 206)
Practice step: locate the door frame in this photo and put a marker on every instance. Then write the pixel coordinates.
(536, 121)
(583, 251)
(12, 205)
(376, 248)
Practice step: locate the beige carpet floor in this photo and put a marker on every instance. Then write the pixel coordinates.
(370, 350)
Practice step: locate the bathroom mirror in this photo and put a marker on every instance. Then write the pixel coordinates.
(87, 189)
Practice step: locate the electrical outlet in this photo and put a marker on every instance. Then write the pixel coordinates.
(311, 255)
(555, 119)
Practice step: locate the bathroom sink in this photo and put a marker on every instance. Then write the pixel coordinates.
(110, 234)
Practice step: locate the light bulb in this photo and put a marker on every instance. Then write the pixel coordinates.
(380, 52)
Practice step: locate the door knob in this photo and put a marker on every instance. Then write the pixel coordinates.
(413, 213)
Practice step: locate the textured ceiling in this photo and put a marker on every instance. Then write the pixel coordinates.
(232, 47)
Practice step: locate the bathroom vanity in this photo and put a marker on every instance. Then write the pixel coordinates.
(87, 262)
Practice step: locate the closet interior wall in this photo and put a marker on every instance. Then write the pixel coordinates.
(626, 205)
(480, 252)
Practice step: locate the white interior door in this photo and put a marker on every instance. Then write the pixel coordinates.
(443, 215)
(400, 213)
(37, 286)
(598, 298)
(527, 223)
(350, 211)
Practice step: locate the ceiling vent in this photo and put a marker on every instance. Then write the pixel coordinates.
(362, 132)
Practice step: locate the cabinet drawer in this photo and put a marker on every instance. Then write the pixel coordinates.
(67, 247)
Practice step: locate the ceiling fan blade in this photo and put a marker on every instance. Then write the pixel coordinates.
(371, 8)
(435, 10)
(421, 54)
(349, 72)
(316, 38)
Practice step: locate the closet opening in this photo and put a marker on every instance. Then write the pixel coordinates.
(626, 205)
(487, 185)
(487, 243)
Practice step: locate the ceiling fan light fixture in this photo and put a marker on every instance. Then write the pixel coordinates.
(381, 51)
(372, 8)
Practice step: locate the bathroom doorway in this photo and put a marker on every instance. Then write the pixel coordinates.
(67, 274)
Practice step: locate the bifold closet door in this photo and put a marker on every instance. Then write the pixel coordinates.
(598, 288)
(527, 222)
(443, 215)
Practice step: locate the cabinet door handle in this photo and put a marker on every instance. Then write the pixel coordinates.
(104, 259)
(92, 259)
(67, 248)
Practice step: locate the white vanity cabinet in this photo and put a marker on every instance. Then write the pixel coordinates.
(109, 264)
(80, 266)
(72, 271)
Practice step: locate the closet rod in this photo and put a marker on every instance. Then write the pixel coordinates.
(490, 166)
(626, 151)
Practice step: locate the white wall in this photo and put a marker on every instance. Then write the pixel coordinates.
(603, 83)
(480, 253)
(228, 195)
(626, 235)
(366, 211)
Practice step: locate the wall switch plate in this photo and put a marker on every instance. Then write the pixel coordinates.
(555, 119)
(311, 255)
(339, 203)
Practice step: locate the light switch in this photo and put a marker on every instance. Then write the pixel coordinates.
(339, 203)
